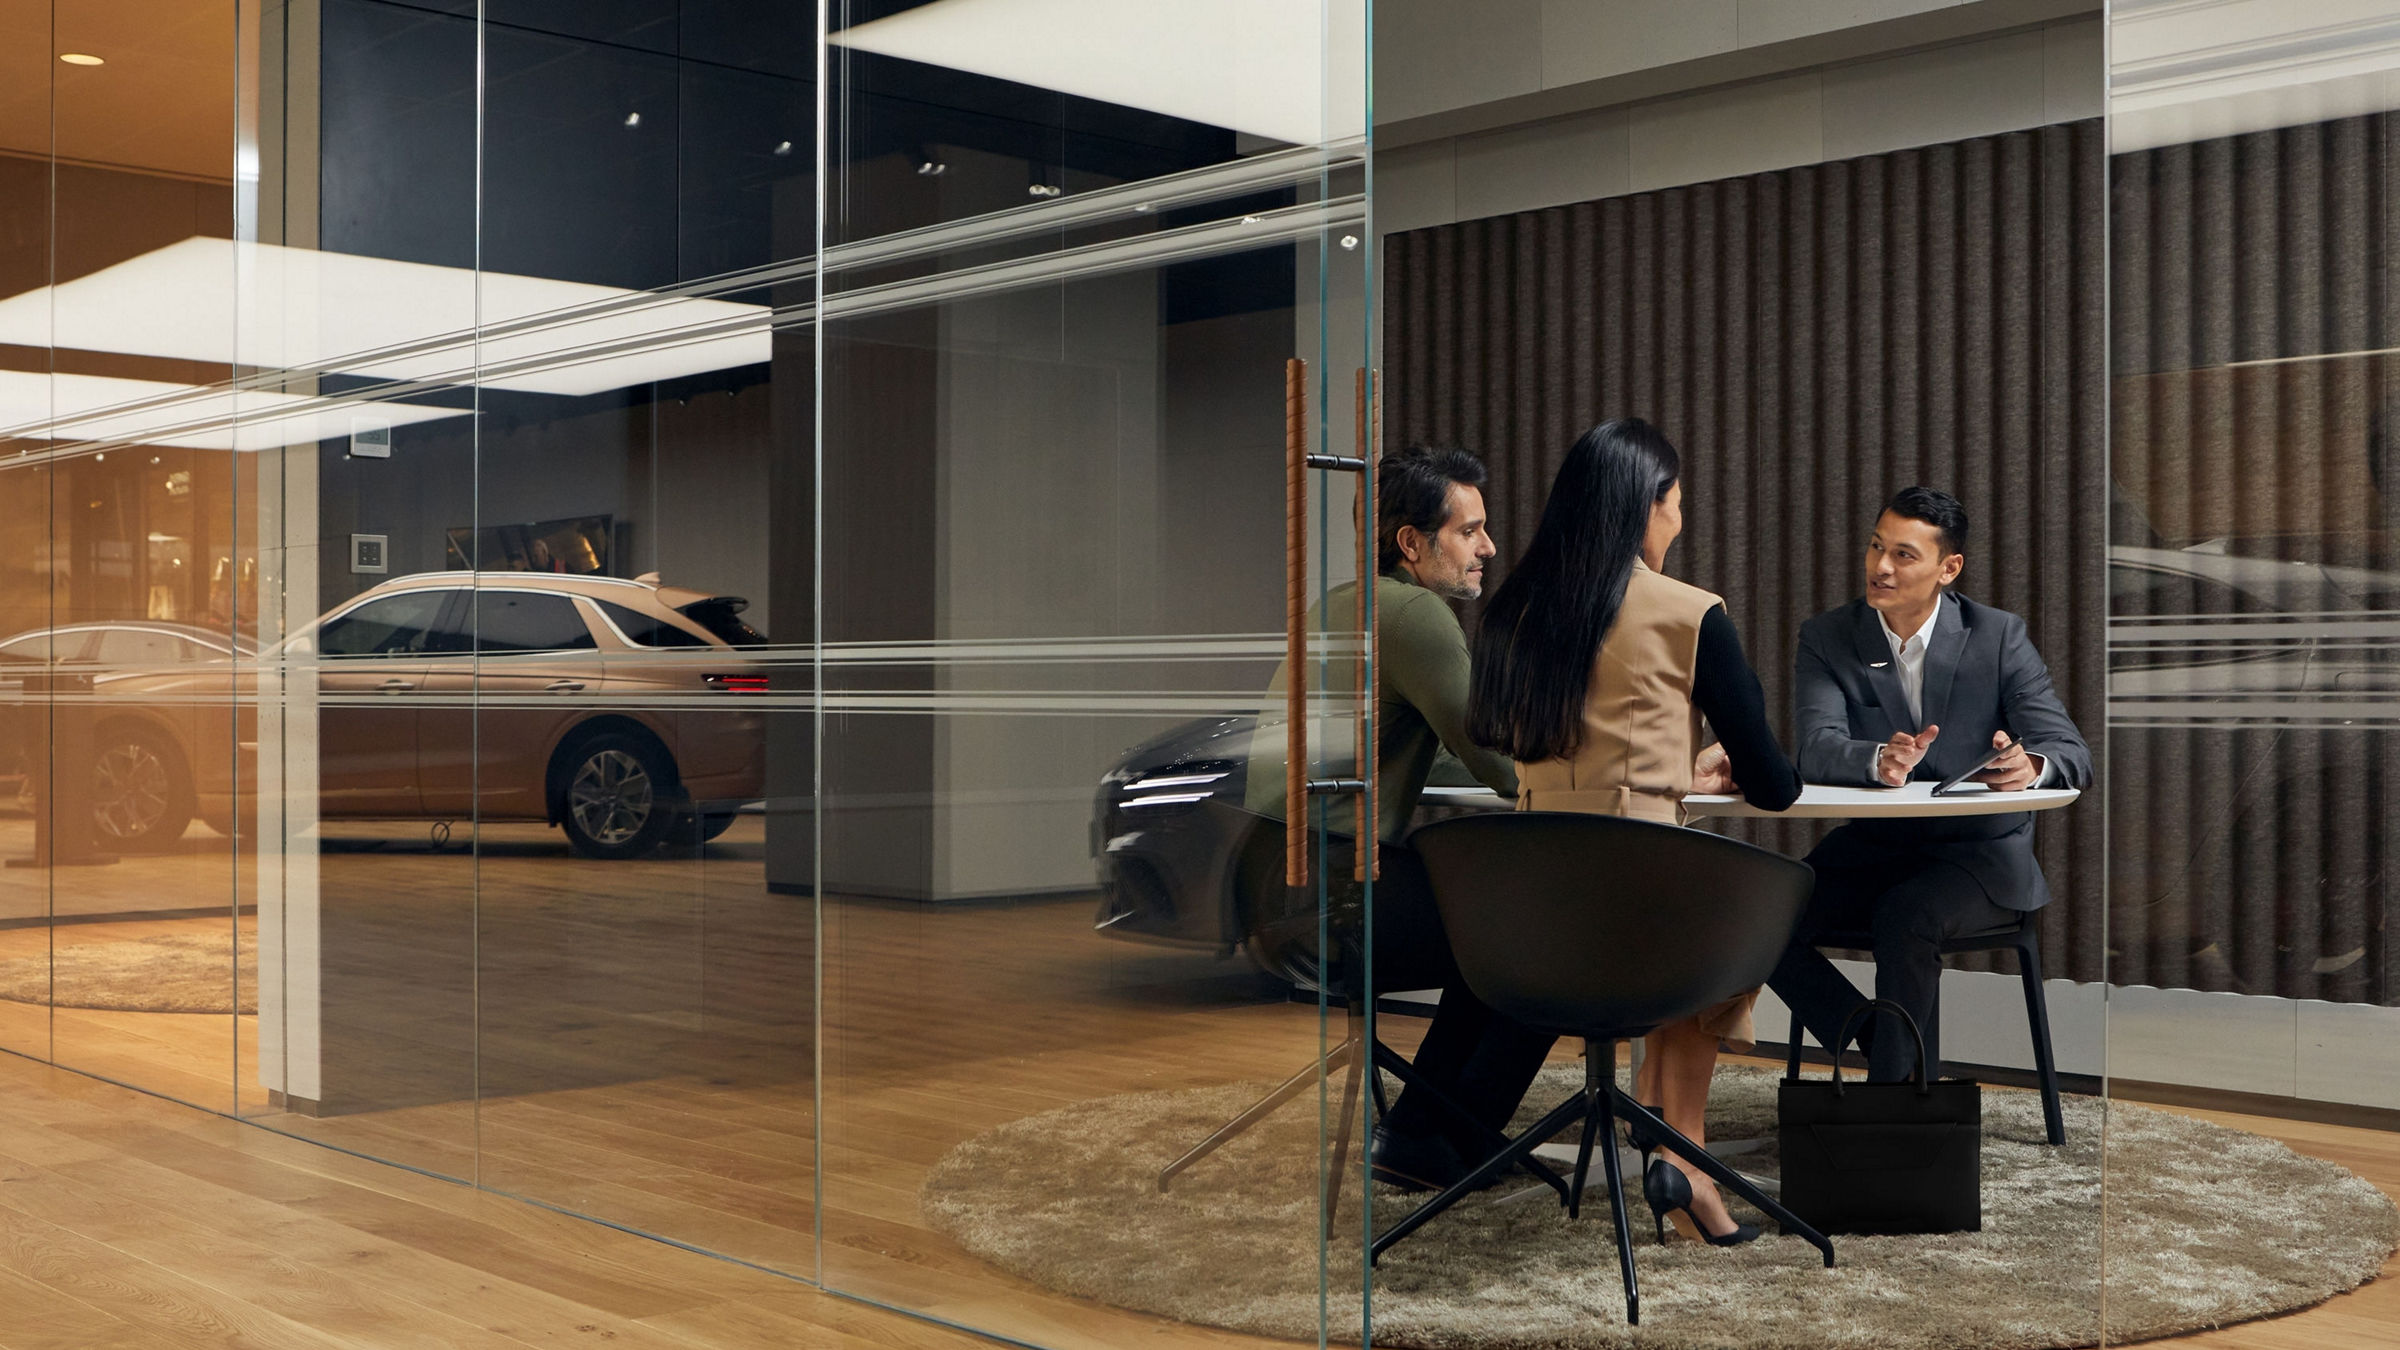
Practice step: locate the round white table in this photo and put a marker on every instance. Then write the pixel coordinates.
(1821, 802)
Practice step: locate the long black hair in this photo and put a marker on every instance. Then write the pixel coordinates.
(1541, 633)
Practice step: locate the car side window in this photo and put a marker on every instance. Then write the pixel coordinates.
(645, 630)
(396, 625)
(529, 621)
(33, 647)
(142, 647)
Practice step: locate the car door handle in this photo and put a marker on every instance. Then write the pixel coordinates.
(395, 685)
(563, 687)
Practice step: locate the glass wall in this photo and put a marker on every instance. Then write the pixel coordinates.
(1064, 283)
(688, 609)
(2253, 609)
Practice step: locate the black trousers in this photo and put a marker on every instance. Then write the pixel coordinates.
(1909, 904)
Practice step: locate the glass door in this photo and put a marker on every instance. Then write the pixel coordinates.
(1092, 348)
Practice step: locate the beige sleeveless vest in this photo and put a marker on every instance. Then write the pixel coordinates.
(1640, 729)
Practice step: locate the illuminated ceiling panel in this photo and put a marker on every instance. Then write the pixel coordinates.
(154, 412)
(1252, 65)
(274, 308)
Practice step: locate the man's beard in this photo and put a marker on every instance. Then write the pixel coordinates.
(1464, 586)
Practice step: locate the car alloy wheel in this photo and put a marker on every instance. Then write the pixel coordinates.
(130, 791)
(612, 797)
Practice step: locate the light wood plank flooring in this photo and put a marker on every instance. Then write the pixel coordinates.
(644, 1040)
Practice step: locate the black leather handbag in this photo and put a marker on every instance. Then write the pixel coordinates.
(1883, 1157)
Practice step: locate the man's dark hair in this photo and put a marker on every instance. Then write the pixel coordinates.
(1936, 508)
(1413, 488)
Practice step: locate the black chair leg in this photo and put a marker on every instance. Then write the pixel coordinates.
(1518, 1148)
(1675, 1141)
(1605, 1110)
(1791, 1060)
(2037, 1020)
(1593, 1113)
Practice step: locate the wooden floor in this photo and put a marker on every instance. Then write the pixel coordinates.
(645, 1050)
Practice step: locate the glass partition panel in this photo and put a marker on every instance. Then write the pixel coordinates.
(139, 480)
(639, 664)
(27, 481)
(1067, 265)
(2254, 613)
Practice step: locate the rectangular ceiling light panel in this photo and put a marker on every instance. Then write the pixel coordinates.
(1287, 70)
(154, 412)
(269, 307)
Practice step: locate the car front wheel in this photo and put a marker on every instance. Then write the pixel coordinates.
(141, 793)
(620, 797)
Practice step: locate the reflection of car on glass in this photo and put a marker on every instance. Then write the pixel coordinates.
(591, 703)
(82, 649)
(2206, 635)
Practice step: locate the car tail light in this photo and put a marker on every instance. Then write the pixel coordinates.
(736, 684)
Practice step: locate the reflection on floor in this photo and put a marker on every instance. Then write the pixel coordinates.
(645, 1059)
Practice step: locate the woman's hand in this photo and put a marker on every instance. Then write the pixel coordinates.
(1712, 774)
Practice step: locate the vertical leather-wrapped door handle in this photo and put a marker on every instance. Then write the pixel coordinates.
(1295, 622)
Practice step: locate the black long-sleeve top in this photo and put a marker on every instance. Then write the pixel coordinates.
(1726, 691)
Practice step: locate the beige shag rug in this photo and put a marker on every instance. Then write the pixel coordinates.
(2207, 1226)
(176, 972)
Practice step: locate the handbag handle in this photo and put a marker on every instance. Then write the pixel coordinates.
(1896, 1010)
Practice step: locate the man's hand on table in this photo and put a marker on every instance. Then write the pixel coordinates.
(1896, 758)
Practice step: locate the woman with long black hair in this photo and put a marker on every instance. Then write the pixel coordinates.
(1593, 670)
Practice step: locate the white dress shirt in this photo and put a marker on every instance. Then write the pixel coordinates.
(1908, 658)
(1908, 654)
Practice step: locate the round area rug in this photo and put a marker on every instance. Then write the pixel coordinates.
(2207, 1226)
(173, 972)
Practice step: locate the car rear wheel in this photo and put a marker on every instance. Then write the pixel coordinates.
(141, 792)
(619, 797)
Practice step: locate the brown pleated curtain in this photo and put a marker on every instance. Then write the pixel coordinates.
(1812, 340)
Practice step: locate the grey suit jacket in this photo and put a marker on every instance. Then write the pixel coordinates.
(1982, 675)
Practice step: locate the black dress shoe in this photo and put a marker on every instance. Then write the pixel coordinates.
(1415, 1162)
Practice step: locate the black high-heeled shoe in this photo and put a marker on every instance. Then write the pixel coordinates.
(1667, 1189)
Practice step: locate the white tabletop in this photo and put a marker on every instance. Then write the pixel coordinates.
(1817, 801)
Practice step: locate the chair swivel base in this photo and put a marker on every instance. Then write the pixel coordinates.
(1599, 1104)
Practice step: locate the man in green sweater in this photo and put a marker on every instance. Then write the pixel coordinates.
(1432, 542)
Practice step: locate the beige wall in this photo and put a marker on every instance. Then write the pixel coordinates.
(2050, 73)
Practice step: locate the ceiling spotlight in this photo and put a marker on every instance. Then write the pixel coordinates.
(1251, 220)
(100, 458)
(633, 119)
(1044, 190)
(931, 168)
(1349, 241)
(783, 147)
(81, 59)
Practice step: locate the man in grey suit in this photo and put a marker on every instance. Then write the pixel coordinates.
(1914, 682)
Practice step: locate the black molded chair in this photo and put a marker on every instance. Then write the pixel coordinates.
(2022, 937)
(1604, 928)
(1327, 952)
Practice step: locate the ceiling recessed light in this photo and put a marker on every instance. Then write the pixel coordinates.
(633, 119)
(81, 59)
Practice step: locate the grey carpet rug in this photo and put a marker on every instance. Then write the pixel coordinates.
(169, 972)
(2206, 1226)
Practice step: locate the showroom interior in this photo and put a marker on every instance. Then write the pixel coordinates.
(638, 613)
